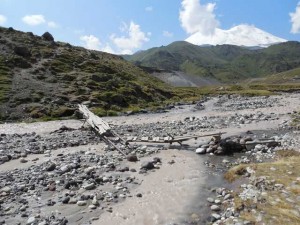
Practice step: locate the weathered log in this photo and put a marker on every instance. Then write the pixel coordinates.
(99, 125)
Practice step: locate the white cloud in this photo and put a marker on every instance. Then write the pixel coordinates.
(91, 42)
(34, 20)
(107, 48)
(2, 19)
(52, 24)
(295, 20)
(167, 33)
(149, 9)
(135, 38)
(195, 17)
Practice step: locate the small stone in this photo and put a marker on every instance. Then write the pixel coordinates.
(215, 208)
(51, 167)
(89, 170)
(94, 218)
(23, 160)
(218, 201)
(90, 186)
(215, 217)
(92, 207)
(210, 200)
(95, 201)
(66, 200)
(6, 189)
(105, 179)
(147, 165)
(4, 158)
(122, 196)
(132, 158)
(200, 150)
(225, 161)
(72, 201)
(228, 214)
(139, 195)
(22, 208)
(228, 196)
(81, 203)
(31, 220)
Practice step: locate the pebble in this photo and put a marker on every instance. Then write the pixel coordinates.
(210, 200)
(147, 165)
(23, 160)
(31, 220)
(200, 150)
(81, 203)
(215, 208)
(215, 216)
(89, 186)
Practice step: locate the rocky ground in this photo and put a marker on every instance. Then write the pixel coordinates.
(60, 173)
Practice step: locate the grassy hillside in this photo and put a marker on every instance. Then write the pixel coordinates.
(41, 78)
(290, 76)
(225, 62)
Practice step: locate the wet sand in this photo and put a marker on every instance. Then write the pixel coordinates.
(166, 193)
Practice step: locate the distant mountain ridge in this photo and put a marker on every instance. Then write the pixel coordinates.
(242, 35)
(226, 63)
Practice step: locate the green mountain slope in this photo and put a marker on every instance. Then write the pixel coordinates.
(225, 62)
(43, 78)
(290, 76)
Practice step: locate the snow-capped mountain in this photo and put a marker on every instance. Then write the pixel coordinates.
(242, 35)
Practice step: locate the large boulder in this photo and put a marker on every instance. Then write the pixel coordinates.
(22, 51)
(230, 146)
(48, 37)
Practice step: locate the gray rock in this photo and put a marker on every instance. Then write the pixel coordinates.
(89, 186)
(89, 170)
(4, 158)
(218, 201)
(200, 150)
(6, 189)
(215, 208)
(81, 203)
(94, 218)
(66, 200)
(22, 51)
(47, 36)
(51, 167)
(132, 158)
(210, 200)
(65, 168)
(23, 160)
(215, 216)
(228, 196)
(147, 165)
(228, 213)
(92, 207)
(31, 220)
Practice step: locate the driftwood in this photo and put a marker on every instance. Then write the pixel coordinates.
(170, 139)
(100, 127)
(268, 142)
(103, 130)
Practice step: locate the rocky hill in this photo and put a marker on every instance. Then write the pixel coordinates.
(42, 78)
(226, 63)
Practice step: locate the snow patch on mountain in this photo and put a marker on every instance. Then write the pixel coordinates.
(242, 35)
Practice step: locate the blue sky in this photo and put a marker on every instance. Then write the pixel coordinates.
(126, 26)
